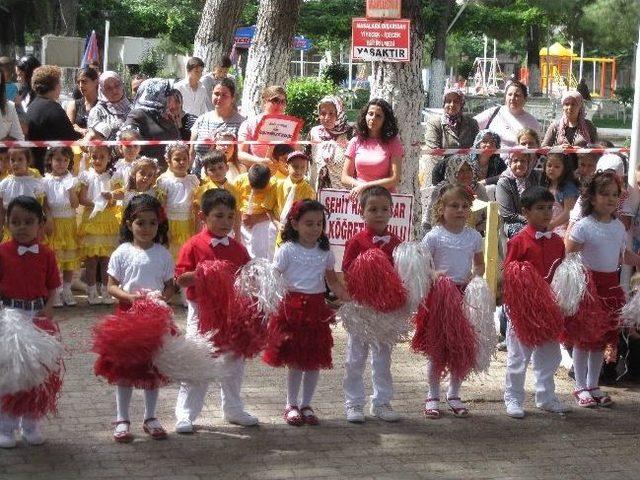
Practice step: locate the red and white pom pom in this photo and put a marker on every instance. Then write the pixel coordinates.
(630, 313)
(36, 402)
(372, 281)
(215, 291)
(245, 331)
(373, 326)
(531, 305)
(569, 283)
(443, 333)
(28, 354)
(479, 305)
(414, 264)
(259, 280)
(189, 359)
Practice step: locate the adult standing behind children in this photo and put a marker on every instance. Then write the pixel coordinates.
(78, 110)
(195, 99)
(374, 156)
(9, 122)
(573, 128)
(112, 108)
(220, 72)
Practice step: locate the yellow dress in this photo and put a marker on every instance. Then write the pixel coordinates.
(180, 194)
(252, 201)
(98, 230)
(210, 184)
(64, 239)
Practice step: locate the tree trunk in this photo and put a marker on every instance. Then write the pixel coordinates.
(533, 59)
(270, 52)
(401, 85)
(214, 38)
(438, 68)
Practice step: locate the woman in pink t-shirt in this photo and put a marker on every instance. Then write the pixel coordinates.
(374, 155)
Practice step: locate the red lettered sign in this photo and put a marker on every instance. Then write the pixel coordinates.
(384, 9)
(380, 40)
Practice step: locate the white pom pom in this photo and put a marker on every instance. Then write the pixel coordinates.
(373, 326)
(258, 279)
(630, 313)
(28, 354)
(479, 305)
(189, 359)
(415, 266)
(569, 283)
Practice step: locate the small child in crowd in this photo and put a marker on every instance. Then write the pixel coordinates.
(140, 264)
(557, 176)
(33, 294)
(300, 337)
(130, 153)
(142, 179)
(537, 245)
(61, 201)
(376, 204)
(278, 163)
(217, 212)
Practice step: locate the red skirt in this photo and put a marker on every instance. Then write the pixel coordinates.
(135, 370)
(603, 330)
(299, 335)
(42, 400)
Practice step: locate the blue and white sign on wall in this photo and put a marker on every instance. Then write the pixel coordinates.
(243, 36)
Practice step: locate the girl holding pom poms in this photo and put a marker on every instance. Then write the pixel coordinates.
(443, 333)
(33, 296)
(299, 334)
(600, 237)
(139, 266)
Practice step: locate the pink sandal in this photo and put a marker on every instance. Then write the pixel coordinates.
(122, 435)
(603, 400)
(152, 427)
(292, 416)
(309, 416)
(431, 413)
(458, 408)
(585, 402)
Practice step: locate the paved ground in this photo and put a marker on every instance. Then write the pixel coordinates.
(595, 444)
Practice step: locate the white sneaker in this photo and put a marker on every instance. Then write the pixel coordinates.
(67, 297)
(7, 440)
(555, 406)
(92, 295)
(355, 414)
(384, 412)
(107, 299)
(33, 436)
(184, 426)
(514, 409)
(57, 298)
(242, 418)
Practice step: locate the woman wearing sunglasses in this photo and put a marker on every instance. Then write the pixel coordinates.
(274, 102)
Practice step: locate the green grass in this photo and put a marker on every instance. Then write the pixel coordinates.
(612, 122)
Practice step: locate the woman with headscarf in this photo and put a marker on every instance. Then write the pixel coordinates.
(452, 129)
(488, 165)
(151, 117)
(573, 128)
(113, 106)
(518, 176)
(460, 170)
(334, 132)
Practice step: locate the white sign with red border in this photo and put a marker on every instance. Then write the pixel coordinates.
(380, 40)
(285, 128)
(384, 9)
(345, 219)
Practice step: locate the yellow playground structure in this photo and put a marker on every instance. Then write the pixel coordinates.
(556, 70)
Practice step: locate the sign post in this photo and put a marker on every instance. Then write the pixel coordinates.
(384, 9)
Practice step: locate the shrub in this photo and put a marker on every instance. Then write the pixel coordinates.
(303, 95)
(336, 73)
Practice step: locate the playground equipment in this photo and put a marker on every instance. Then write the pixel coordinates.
(487, 71)
(556, 70)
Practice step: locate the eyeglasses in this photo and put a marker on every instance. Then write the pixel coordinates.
(278, 100)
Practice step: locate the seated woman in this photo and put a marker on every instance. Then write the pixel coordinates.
(573, 128)
(488, 165)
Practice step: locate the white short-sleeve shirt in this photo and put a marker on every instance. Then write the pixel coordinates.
(27, 185)
(453, 252)
(95, 182)
(56, 189)
(179, 192)
(602, 243)
(122, 170)
(139, 269)
(303, 268)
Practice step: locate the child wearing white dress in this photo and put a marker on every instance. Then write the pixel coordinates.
(130, 153)
(61, 199)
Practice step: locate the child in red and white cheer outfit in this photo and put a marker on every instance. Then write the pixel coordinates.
(300, 333)
(29, 277)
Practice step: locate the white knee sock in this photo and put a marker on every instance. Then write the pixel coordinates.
(580, 367)
(294, 378)
(150, 402)
(454, 387)
(595, 366)
(309, 383)
(434, 383)
(123, 399)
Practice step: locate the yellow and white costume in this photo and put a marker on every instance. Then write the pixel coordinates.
(64, 239)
